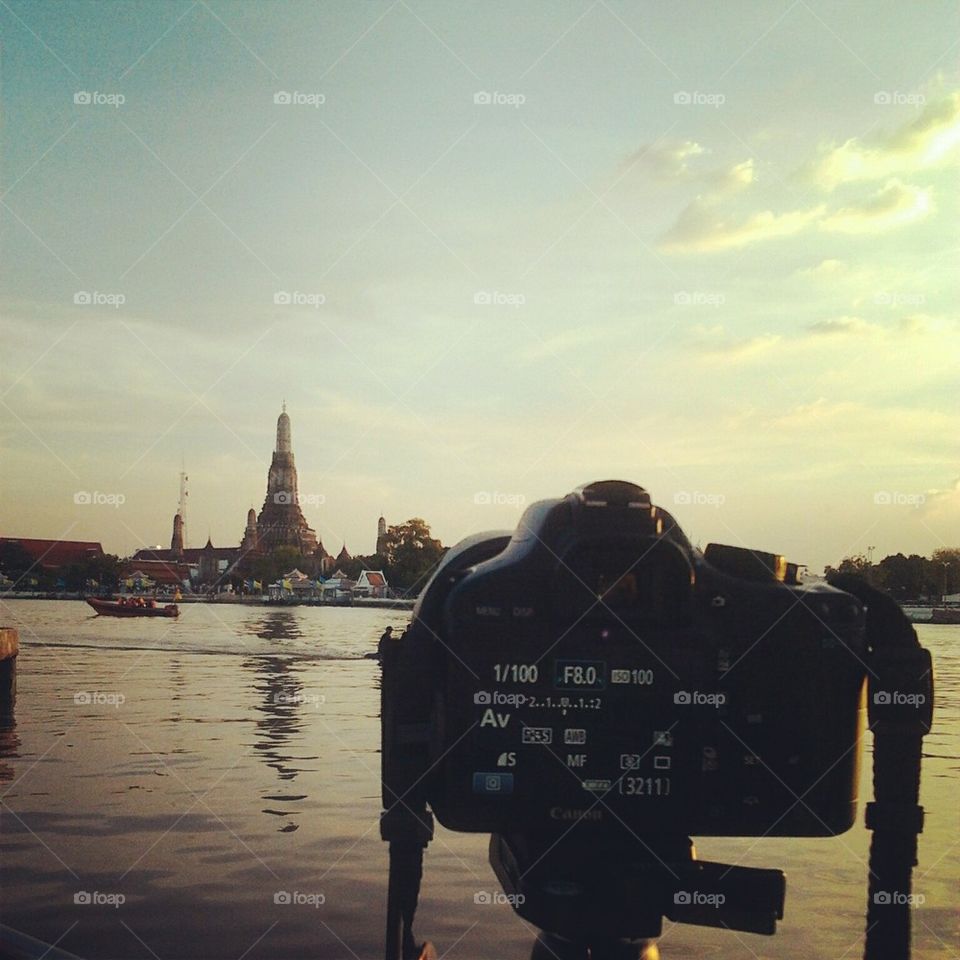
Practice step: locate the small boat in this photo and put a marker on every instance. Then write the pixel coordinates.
(133, 607)
(945, 615)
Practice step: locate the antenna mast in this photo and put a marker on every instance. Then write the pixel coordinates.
(182, 504)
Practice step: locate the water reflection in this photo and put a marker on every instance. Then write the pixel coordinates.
(280, 729)
(277, 625)
(9, 741)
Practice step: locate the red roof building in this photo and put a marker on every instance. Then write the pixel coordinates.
(371, 583)
(54, 554)
(161, 572)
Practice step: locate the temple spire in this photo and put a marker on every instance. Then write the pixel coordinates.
(281, 522)
(284, 444)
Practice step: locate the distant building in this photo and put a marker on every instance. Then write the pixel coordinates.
(338, 587)
(147, 574)
(205, 565)
(251, 539)
(381, 548)
(281, 522)
(176, 541)
(371, 583)
(54, 554)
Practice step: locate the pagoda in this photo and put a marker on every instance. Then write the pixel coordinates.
(281, 522)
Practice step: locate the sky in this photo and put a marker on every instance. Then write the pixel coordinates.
(486, 253)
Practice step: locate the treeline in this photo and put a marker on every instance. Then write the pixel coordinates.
(410, 556)
(912, 579)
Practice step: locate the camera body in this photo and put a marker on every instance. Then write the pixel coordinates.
(594, 670)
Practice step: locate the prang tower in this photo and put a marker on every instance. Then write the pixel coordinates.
(281, 522)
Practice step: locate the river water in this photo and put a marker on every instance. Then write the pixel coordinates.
(184, 775)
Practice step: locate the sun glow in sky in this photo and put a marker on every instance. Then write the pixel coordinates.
(486, 252)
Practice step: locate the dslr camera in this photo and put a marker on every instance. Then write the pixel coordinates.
(592, 689)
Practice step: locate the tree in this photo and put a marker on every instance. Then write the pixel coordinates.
(946, 562)
(906, 579)
(859, 566)
(104, 571)
(268, 569)
(411, 554)
(14, 560)
(353, 567)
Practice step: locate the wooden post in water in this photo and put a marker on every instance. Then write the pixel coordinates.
(9, 648)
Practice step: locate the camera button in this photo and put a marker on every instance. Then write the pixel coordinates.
(488, 611)
(492, 783)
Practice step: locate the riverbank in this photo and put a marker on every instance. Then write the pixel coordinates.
(369, 603)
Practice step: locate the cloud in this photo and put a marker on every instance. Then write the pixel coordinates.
(825, 270)
(675, 161)
(700, 228)
(951, 493)
(893, 204)
(848, 418)
(846, 326)
(928, 141)
(563, 342)
(732, 179)
(666, 160)
(712, 343)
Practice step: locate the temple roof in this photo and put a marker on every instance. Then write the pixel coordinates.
(50, 554)
(189, 555)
